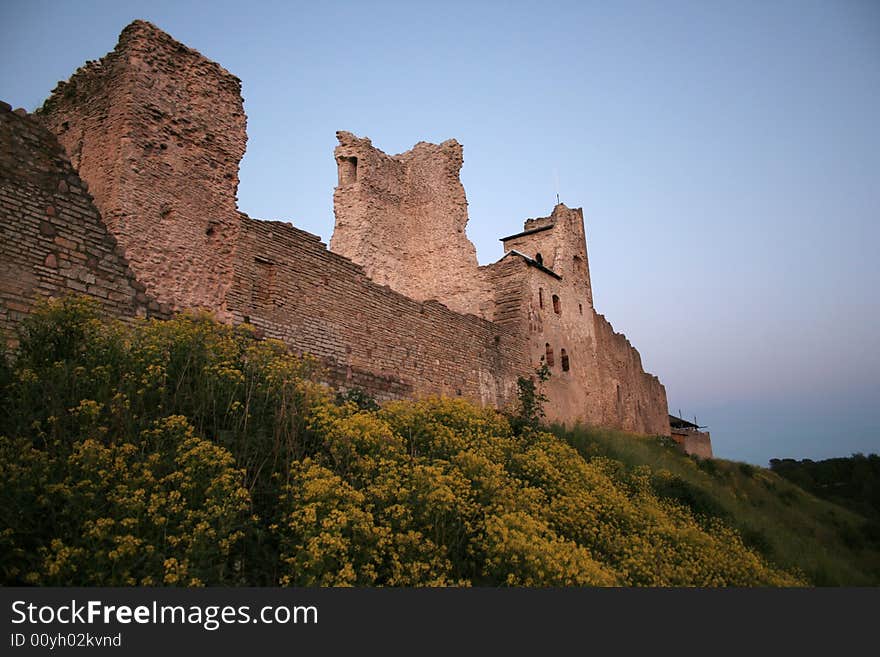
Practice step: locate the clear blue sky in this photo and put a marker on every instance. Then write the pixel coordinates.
(726, 155)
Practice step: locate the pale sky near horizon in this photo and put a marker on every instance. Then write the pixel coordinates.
(726, 155)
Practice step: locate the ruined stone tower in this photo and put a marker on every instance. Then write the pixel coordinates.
(406, 214)
(158, 132)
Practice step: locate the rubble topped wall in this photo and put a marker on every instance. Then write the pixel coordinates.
(403, 218)
(158, 130)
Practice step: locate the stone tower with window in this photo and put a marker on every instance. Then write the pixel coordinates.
(403, 219)
(596, 375)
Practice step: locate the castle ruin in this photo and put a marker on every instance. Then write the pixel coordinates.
(123, 187)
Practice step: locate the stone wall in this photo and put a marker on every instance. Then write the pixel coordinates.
(52, 239)
(693, 443)
(624, 395)
(159, 130)
(291, 287)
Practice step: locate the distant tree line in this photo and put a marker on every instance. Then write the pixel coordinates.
(852, 482)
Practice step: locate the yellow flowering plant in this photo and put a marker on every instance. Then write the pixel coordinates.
(186, 452)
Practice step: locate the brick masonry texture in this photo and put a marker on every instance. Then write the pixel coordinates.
(291, 287)
(52, 239)
(398, 306)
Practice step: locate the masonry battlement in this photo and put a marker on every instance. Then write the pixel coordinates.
(398, 305)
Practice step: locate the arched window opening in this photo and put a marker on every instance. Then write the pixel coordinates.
(539, 258)
(540, 297)
(563, 357)
(556, 307)
(548, 355)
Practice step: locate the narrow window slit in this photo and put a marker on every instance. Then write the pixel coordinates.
(347, 170)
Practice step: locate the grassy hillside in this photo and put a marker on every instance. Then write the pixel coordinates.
(187, 453)
(830, 545)
(852, 482)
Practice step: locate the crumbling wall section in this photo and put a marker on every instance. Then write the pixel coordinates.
(290, 287)
(52, 239)
(157, 131)
(403, 218)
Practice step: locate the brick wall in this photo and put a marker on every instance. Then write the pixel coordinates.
(52, 239)
(291, 287)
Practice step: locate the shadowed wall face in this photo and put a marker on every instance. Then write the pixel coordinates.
(52, 239)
